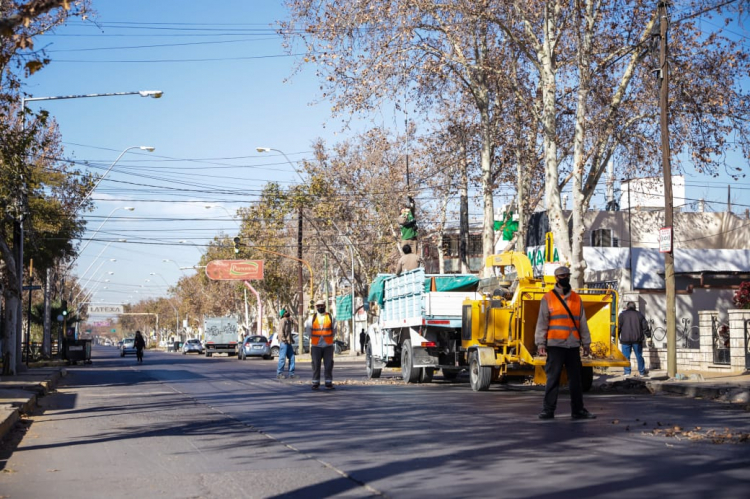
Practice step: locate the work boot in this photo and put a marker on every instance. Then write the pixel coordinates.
(330, 386)
(546, 415)
(315, 387)
(292, 376)
(279, 376)
(583, 414)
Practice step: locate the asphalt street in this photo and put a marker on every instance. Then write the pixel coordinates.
(190, 426)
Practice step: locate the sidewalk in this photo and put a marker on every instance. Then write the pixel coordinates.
(732, 388)
(18, 394)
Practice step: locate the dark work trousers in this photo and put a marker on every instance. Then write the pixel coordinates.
(326, 354)
(570, 358)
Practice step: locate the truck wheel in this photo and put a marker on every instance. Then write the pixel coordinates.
(587, 378)
(450, 374)
(372, 373)
(408, 372)
(425, 374)
(480, 377)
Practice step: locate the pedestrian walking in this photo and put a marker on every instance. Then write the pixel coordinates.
(633, 328)
(321, 328)
(561, 329)
(139, 343)
(362, 340)
(286, 345)
(408, 261)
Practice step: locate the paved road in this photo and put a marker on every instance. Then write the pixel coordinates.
(188, 426)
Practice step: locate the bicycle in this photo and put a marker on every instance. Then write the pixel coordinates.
(687, 335)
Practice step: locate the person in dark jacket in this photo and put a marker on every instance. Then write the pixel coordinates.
(362, 340)
(633, 328)
(139, 343)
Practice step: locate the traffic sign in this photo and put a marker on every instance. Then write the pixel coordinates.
(665, 240)
(235, 270)
(32, 288)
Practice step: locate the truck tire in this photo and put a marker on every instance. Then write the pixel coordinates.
(426, 374)
(451, 374)
(479, 376)
(587, 378)
(408, 372)
(372, 372)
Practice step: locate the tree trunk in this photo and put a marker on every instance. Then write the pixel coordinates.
(12, 318)
(463, 231)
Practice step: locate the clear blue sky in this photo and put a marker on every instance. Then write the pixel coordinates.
(206, 127)
(222, 69)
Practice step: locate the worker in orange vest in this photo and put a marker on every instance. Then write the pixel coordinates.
(561, 329)
(321, 328)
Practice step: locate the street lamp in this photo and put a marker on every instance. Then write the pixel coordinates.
(301, 310)
(233, 217)
(142, 148)
(126, 208)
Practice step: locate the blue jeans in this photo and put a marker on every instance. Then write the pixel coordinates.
(638, 349)
(286, 351)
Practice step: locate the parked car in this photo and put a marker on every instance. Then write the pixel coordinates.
(193, 345)
(127, 346)
(255, 346)
(295, 338)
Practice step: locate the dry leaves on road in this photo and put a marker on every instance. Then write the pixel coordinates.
(725, 436)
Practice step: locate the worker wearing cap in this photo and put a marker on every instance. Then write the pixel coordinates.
(321, 328)
(286, 345)
(561, 329)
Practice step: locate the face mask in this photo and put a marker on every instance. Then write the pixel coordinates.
(564, 282)
(321, 310)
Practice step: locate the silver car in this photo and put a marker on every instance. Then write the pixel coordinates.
(127, 347)
(192, 346)
(255, 346)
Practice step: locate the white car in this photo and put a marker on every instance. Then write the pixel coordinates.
(192, 346)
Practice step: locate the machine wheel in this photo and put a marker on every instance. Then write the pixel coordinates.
(408, 372)
(426, 374)
(275, 352)
(372, 373)
(480, 377)
(451, 374)
(587, 378)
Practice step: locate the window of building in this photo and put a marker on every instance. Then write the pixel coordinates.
(604, 238)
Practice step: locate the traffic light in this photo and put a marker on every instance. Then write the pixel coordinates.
(236, 245)
(64, 307)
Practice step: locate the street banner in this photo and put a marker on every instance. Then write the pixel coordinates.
(105, 309)
(235, 270)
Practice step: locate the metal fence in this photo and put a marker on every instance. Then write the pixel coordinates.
(720, 341)
(747, 344)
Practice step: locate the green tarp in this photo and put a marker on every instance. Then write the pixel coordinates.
(343, 308)
(377, 289)
(452, 283)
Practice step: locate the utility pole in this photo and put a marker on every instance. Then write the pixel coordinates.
(301, 306)
(668, 200)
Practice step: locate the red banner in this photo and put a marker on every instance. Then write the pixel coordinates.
(235, 270)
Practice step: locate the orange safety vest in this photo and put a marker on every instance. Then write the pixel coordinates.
(323, 332)
(560, 324)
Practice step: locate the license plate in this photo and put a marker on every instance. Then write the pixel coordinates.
(257, 347)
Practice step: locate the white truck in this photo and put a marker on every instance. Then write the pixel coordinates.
(220, 335)
(419, 324)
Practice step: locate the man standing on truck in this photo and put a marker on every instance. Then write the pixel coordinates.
(408, 261)
(321, 328)
(561, 329)
(286, 345)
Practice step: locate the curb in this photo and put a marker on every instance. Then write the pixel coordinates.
(735, 394)
(25, 396)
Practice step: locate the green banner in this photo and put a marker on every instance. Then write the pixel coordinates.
(344, 308)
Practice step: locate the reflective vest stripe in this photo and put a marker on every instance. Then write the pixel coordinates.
(324, 331)
(561, 327)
